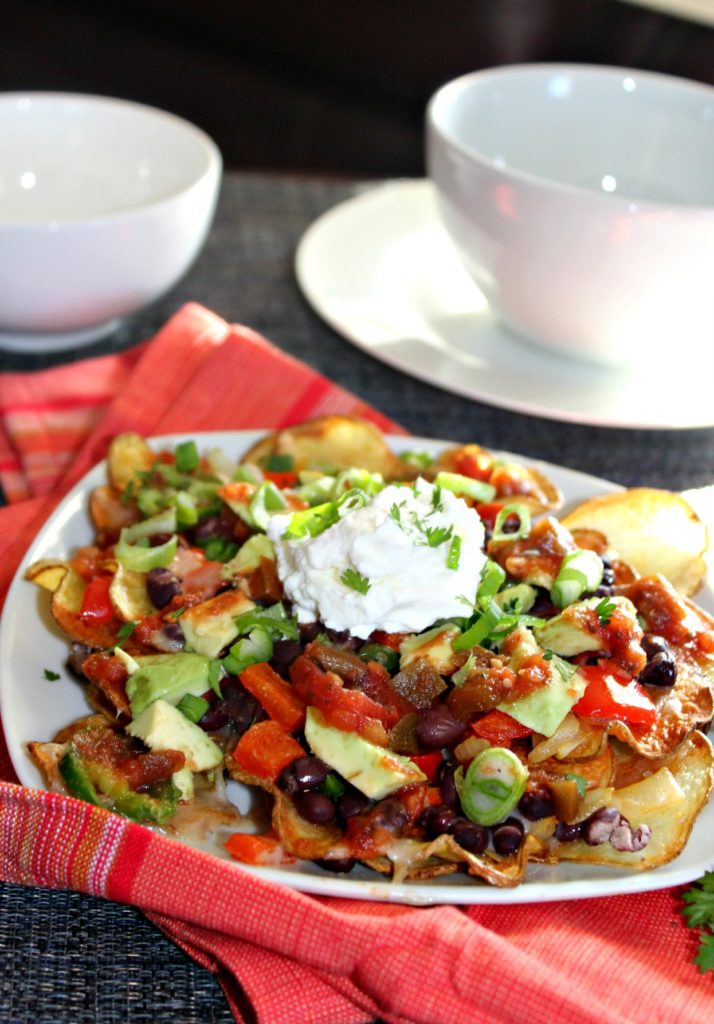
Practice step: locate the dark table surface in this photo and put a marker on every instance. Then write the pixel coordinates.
(70, 958)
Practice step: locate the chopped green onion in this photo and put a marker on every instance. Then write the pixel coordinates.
(420, 460)
(163, 522)
(311, 521)
(517, 599)
(266, 501)
(332, 786)
(454, 555)
(186, 511)
(215, 674)
(194, 708)
(492, 579)
(466, 485)
(580, 572)
(187, 456)
(277, 463)
(141, 559)
(359, 479)
(494, 783)
(481, 629)
(462, 674)
(382, 654)
(350, 501)
(524, 523)
(257, 646)
(248, 474)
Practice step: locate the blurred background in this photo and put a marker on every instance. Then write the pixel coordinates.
(329, 86)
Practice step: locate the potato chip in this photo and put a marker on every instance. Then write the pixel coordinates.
(47, 573)
(514, 482)
(654, 531)
(128, 455)
(129, 595)
(110, 514)
(329, 443)
(66, 605)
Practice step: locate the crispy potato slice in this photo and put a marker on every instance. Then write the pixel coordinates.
(65, 607)
(129, 596)
(299, 837)
(47, 573)
(692, 767)
(47, 757)
(513, 481)
(655, 531)
(330, 442)
(128, 455)
(109, 514)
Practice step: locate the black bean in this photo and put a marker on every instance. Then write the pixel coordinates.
(303, 773)
(351, 802)
(237, 707)
(437, 820)
(161, 586)
(471, 837)
(284, 654)
(565, 833)
(438, 728)
(314, 807)
(390, 814)
(173, 631)
(543, 607)
(653, 643)
(507, 838)
(77, 654)
(447, 784)
(536, 804)
(212, 526)
(660, 670)
(339, 865)
(599, 826)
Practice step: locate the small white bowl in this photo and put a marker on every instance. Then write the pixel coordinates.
(104, 205)
(581, 199)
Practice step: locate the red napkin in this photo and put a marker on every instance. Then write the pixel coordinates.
(284, 957)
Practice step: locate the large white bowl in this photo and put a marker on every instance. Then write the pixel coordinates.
(104, 205)
(581, 199)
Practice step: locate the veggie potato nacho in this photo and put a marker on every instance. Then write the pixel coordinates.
(411, 662)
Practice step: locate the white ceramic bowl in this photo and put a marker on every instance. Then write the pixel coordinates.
(104, 205)
(581, 199)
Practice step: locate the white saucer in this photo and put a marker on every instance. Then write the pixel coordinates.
(381, 270)
(54, 341)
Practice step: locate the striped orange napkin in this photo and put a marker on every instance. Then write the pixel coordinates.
(281, 956)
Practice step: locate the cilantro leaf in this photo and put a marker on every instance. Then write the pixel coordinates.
(705, 957)
(51, 676)
(436, 535)
(699, 913)
(605, 609)
(351, 578)
(579, 781)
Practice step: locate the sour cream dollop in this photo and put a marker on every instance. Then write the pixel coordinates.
(407, 580)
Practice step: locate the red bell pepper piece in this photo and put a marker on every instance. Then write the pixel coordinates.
(285, 478)
(499, 728)
(276, 696)
(428, 763)
(478, 467)
(613, 695)
(350, 710)
(265, 749)
(250, 849)
(488, 511)
(96, 605)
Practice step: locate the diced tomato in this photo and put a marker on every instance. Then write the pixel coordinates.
(499, 728)
(393, 640)
(281, 479)
(205, 580)
(612, 695)
(276, 696)
(238, 491)
(96, 604)
(488, 512)
(478, 466)
(265, 749)
(88, 561)
(428, 763)
(257, 849)
(350, 710)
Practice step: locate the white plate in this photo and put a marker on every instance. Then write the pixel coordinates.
(35, 709)
(381, 270)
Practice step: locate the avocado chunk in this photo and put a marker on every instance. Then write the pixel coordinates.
(434, 646)
(166, 677)
(374, 771)
(575, 629)
(249, 556)
(163, 727)
(544, 709)
(211, 625)
(99, 784)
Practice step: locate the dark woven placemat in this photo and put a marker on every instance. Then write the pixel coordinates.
(69, 958)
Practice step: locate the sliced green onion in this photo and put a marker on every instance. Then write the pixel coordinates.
(257, 646)
(517, 599)
(277, 463)
(524, 521)
(420, 460)
(332, 786)
(481, 629)
(362, 479)
(265, 502)
(382, 654)
(454, 555)
(317, 489)
(187, 456)
(493, 785)
(186, 511)
(350, 501)
(580, 572)
(171, 475)
(462, 674)
(163, 522)
(311, 521)
(215, 674)
(218, 549)
(458, 484)
(492, 579)
(248, 474)
(141, 559)
(194, 708)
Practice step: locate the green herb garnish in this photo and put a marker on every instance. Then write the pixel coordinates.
(454, 555)
(352, 578)
(699, 913)
(579, 781)
(605, 609)
(125, 631)
(51, 676)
